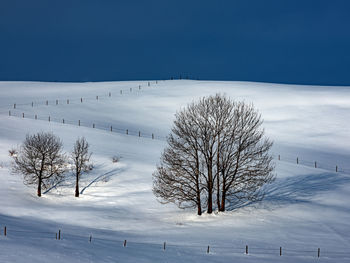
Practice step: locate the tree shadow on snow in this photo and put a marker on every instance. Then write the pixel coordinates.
(296, 189)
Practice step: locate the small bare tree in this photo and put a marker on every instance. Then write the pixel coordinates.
(216, 145)
(40, 160)
(81, 158)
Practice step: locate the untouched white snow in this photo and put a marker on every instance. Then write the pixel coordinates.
(306, 208)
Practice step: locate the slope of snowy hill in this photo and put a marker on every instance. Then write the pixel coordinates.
(306, 208)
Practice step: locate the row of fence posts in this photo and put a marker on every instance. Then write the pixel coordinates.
(79, 124)
(81, 99)
(315, 163)
(58, 237)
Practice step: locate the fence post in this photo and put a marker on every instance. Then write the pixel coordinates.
(81, 100)
(315, 165)
(59, 234)
(109, 94)
(208, 250)
(96, 97)
(127, 132)
(79, 122)
(63, 121)
(280, 251)
(336, 168)
(56, 102)
(164, 245)
(279, 157)
(318, 252)
(152, 136)
(47, 102)
(297, 160)
(139, 87)
(9, 113)
(36, 116)
(149, 84)
(5, 231)
(67, 101)
(14, 106)
(49, 119)
(90, 238)
(111, 129)
(246, 249)
(139, 134)
(93, 125)
(124, 243)
(32, 104)
(23, 115)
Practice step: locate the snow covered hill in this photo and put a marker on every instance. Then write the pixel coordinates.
(306, 208)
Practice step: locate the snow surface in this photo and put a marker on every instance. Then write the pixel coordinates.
(306, 208)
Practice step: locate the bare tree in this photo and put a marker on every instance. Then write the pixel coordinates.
(216, 145)
(40, 160)
(81, 158)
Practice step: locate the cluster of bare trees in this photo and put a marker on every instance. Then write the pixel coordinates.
(217, 155)
(42, 161)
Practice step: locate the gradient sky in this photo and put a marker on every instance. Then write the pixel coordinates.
(298, 41)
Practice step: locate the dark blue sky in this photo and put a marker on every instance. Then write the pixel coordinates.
(305, 42)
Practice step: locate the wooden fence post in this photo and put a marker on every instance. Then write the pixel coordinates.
(127, 132)
(63, 121)
(152, 136)
(59, 234)
(164, 245)
(93, 125)
(90, 238)
(5, 231)
(279, 157)
(246, 249)
(280, 251)
(109, 94)
(315, 165)
(67, 101)
(139, 134)
(81, 100)
(32, 104)
(111, 129)
(49, 119)
(56, 102)
(336, 168)
(47, 102)
(124, 243)
(14, 106)
(23, 115)
(79, 122)
(297, 160)
(208, 250)
(36, 116)
(318, 252)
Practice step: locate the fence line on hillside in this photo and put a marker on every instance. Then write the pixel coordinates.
(94, 125)
(280, 251)
(82, 99)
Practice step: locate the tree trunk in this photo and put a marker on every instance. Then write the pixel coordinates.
(39, 186)
(77, 186)
(223, 200)
(218, 174)
(210, 187)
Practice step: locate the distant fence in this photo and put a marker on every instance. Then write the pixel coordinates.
(253, 250)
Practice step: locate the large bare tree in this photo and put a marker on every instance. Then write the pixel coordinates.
(218, 145)
(40, 160)
(81, 158)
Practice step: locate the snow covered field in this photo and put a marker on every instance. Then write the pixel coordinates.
(306, 208)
